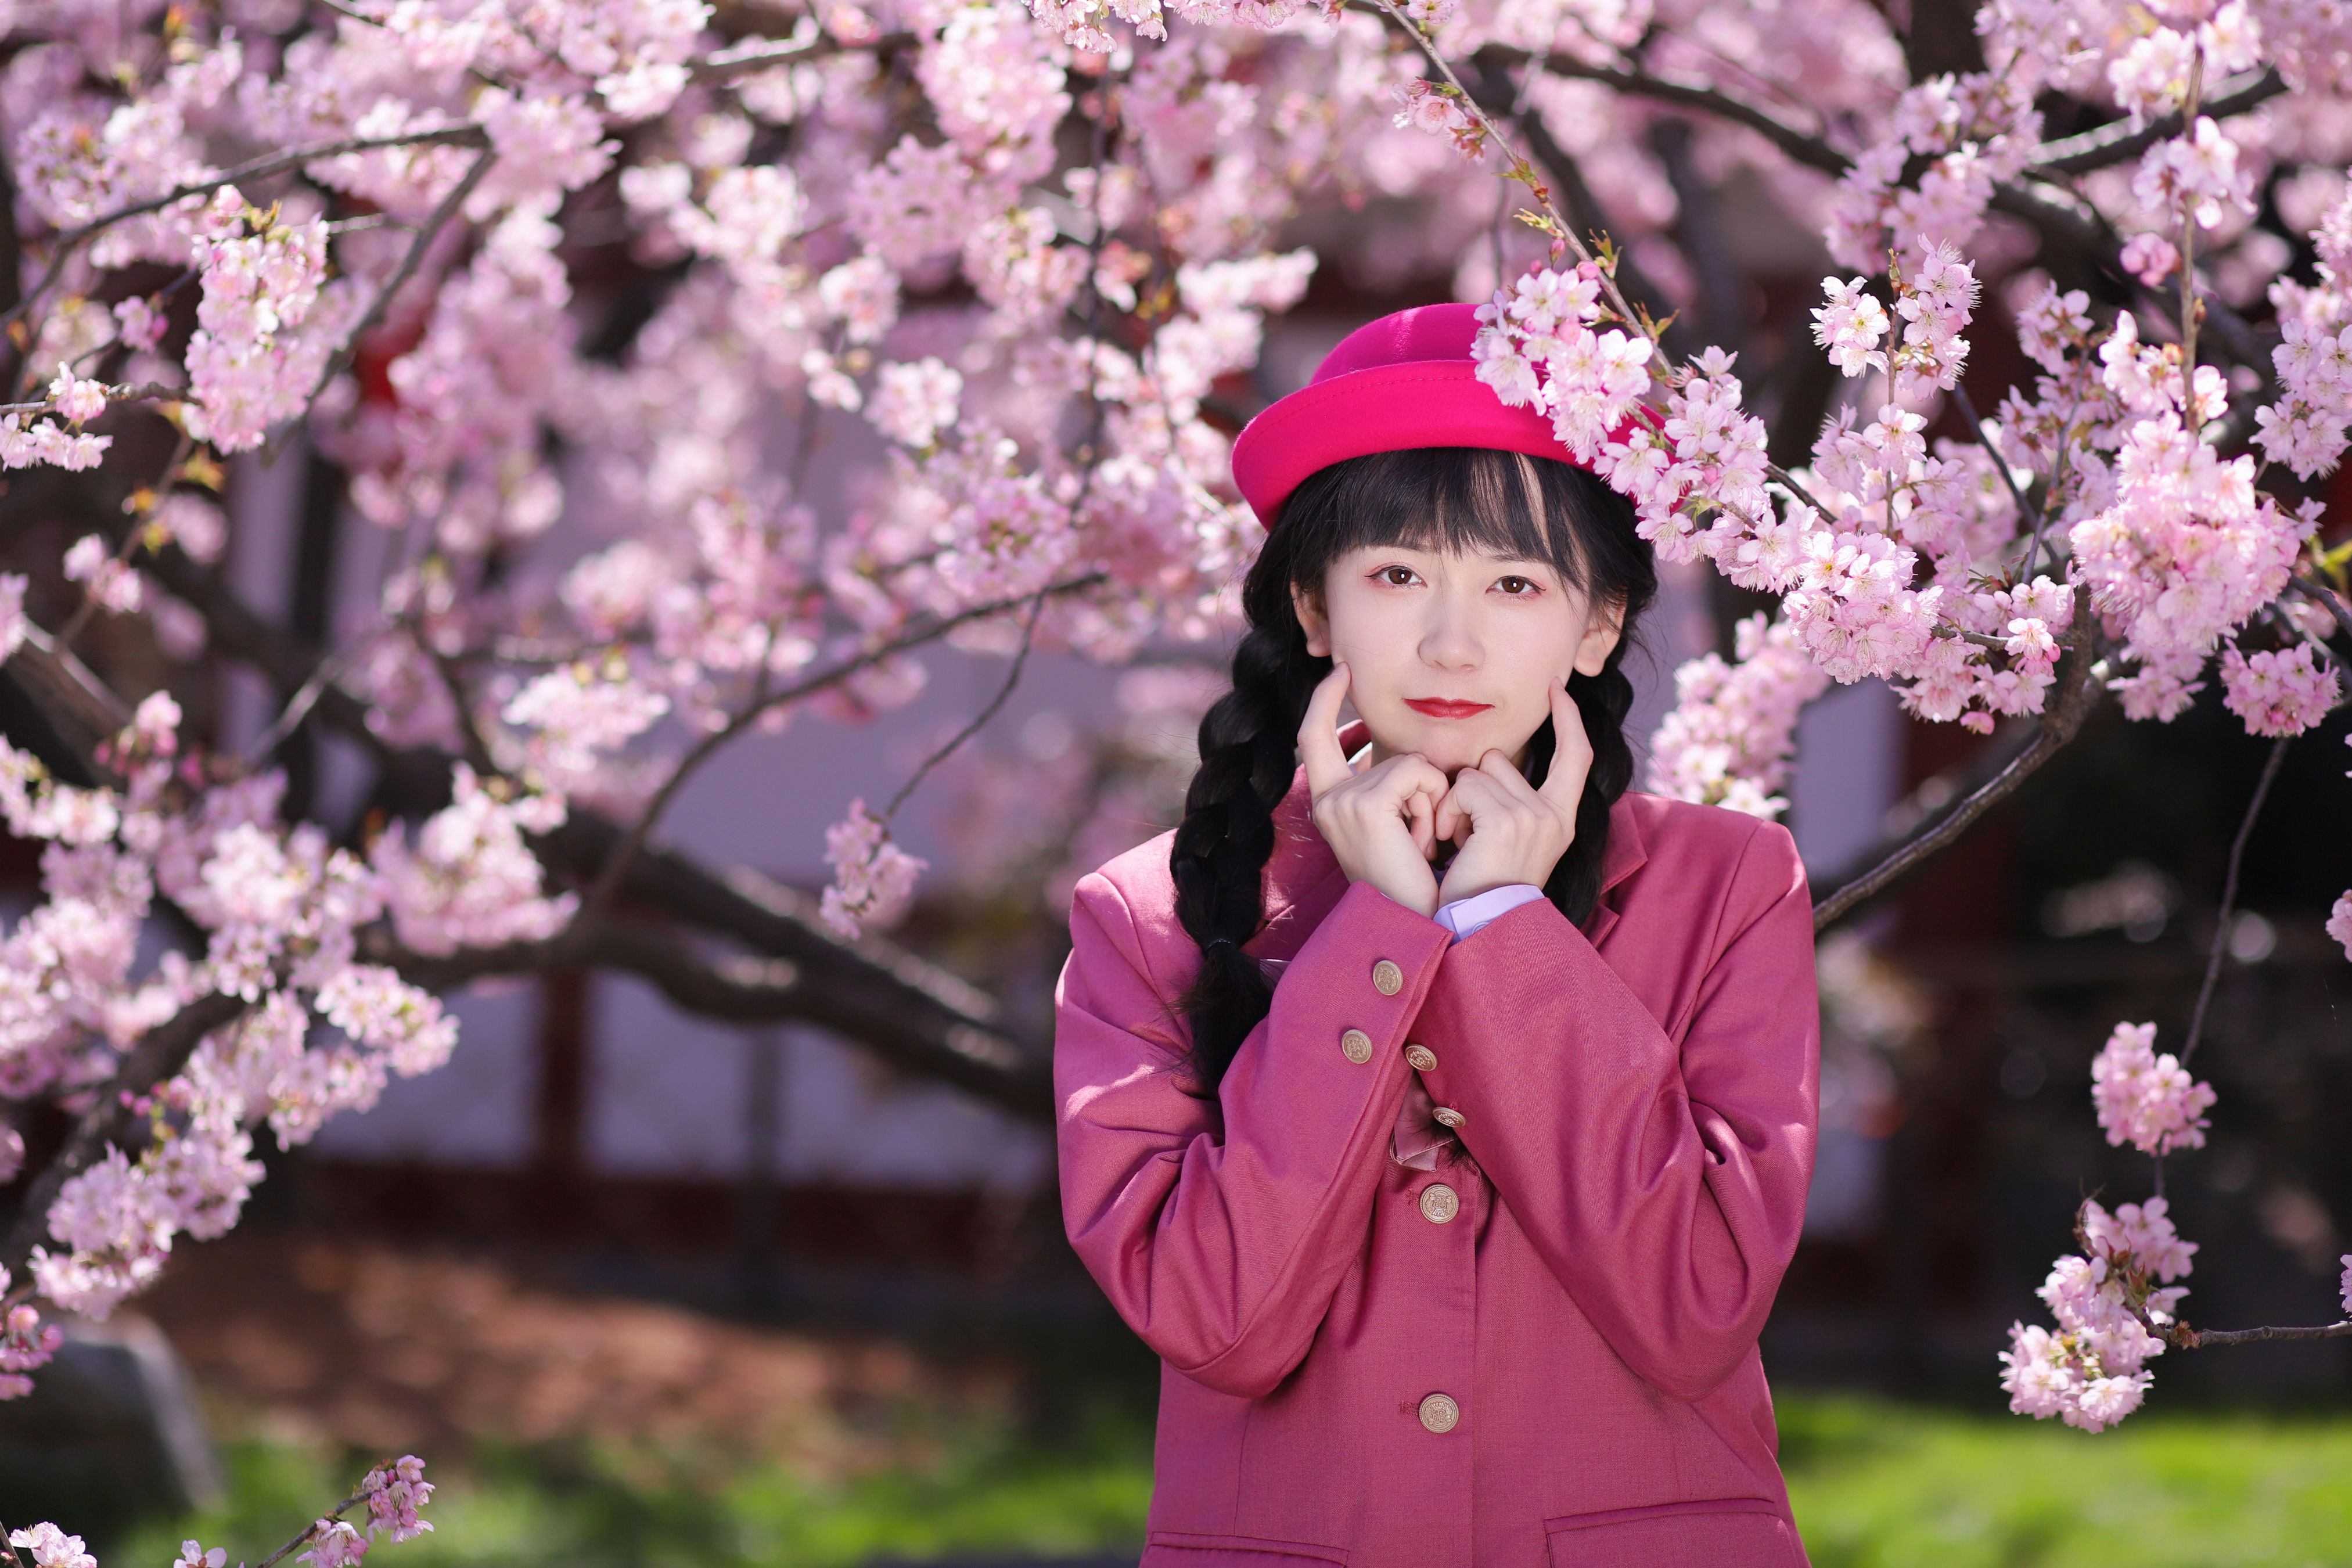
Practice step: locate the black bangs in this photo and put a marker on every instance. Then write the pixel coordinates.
(1458, 500)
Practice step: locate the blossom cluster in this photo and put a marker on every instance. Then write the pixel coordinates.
(2090, 1372)
(1733, 727)
(280, 910)
(26, 1344)
(873, 878)
(2146, 1099)
(51, 1547)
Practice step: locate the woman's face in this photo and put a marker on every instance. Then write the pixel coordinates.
(1451, 655)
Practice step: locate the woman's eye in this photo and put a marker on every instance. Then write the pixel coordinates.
(1397, 576)
(1516, 586)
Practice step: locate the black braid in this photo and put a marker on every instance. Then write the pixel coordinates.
(1460, 498)
(1249, 750)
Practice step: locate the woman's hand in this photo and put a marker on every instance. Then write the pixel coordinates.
(1509, 830)
(1381, 823)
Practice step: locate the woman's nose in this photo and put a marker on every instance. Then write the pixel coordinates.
(1450, 640)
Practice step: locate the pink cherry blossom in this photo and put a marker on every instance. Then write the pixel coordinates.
(1733, 728)
(913, 403)
(2146, 1099)
(2150, 258)
(52, 1548)
(394, 1494)
(1850, 326)
(75, 400)
(335, 1545)
(2281, 692)
(111, 584)
(26, 1344)
(873, 878)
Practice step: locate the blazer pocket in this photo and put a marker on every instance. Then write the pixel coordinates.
(1172, 1549)
(1712, 1533)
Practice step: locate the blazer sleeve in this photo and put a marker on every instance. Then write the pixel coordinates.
(1220, 1228)
(1662, 1180)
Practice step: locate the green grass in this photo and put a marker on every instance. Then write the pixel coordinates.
(599, 1507)
(1876, 1485)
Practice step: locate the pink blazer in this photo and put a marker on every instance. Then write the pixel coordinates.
(1540, 1352)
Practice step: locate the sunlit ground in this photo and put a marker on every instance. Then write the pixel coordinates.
(1875, 1483)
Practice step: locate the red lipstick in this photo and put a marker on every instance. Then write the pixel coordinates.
(1446, 708)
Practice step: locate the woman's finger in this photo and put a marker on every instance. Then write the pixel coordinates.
(1473, 794)
(1421, 814)
(1571, 753)
(1318, 736)
(1498, 769)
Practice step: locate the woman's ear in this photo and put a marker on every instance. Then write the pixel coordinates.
(1312, 620)
(1600, 640)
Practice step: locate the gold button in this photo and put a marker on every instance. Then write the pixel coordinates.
(1439, 1413)
(1387, 978)
(1357, 1046)
(1447, 1115)
(1421, 1058)
(1439, 1202)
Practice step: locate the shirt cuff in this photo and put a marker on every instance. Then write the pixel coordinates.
(1464, 916)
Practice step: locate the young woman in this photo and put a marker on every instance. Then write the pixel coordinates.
(1444, 1116)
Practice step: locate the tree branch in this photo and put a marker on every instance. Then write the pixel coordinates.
(2051, 211)
(1800, 145)
(905, 1009)
(728, 64)
(259, 168)
(2116, 143)
(609, 876)
(2078, 694)
(2191, 1339)
(162, 1051)
(902, 1024)
(426, 235)
(2325, 597)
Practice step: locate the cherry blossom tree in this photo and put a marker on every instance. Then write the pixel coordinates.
(498, 262)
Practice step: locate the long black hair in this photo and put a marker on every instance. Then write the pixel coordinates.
(1455, 499)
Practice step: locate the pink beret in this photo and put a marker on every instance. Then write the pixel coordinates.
(1406, 380)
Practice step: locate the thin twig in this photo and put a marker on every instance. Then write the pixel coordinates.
(2230, 897)
(297, 709)
(2197, 1338)
(1091, 449)
(2025, 509)
(2327, 656)
(259, 168)
(2324, 596)
(609, 878)
(335, 1512)
(143, 392)
(2189, 310)
(726, 67)
(1800, 146)
(979, 719)
(430, 231)
(2049, 498)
